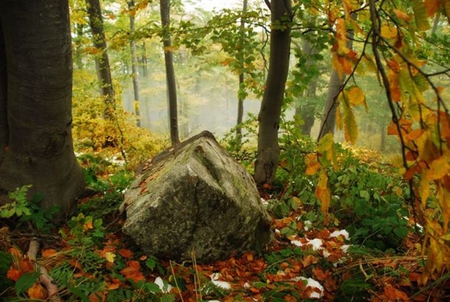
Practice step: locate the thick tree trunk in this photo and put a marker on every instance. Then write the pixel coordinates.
(4, 133)
(39, 150)
(99, 40)
(134, 67)
(269, 114)
(170, 72)
(240, 112)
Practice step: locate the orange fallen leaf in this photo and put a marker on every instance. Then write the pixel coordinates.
(13, 274)
(48, 253)
(37, 291)
(126, 253)
(394, 294)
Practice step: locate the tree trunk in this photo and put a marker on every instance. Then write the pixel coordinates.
(144, 61)
(304, 109)
(36, 46)
(134, 66)
(78, 55)
(4, 132)
(269, 114)
(170, 72)
(241, 98)
(99, 40)
(329, 114)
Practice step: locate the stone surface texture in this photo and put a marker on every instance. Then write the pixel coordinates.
(195, 200)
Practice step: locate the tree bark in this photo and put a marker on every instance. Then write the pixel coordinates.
(4, 133)
(37, 52)
(270, 111)
(170, 72)
(134, 66)
(240, 112)
(99, 40)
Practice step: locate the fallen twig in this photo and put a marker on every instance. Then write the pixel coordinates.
(44, 278)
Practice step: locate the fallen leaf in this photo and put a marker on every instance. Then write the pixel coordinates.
(37, 291)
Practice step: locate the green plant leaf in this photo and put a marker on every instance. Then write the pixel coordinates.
(25, 282)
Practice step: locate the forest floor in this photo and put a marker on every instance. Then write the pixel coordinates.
(90, 259)
(92, 262)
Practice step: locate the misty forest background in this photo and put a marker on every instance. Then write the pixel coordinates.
(207, 78)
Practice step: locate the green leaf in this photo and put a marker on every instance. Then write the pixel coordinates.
(365, 194)
(25, 282)
(168, 298)
(401, 231)
(151, 263)
(287, 231)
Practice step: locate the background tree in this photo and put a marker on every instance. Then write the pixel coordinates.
(134, 61)
(99, 40)
(269, 115)
(170, 72)
(35, 102)
(241, 91)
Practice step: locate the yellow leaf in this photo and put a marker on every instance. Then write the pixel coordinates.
(438, 168)
(420, 15)
(110, 257)
(323, 192)
(350, 126)
(355, 96)
(341, 36)
(388, 32)
(312, 168)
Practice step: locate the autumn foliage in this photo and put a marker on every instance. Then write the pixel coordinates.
(393, 39)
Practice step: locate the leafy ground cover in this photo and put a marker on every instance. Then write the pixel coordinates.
(366, 249)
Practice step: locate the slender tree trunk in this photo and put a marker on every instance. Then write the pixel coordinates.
(134, 66)
(35, 44)
(78, 56)
(306, 112)
(270, 112)
(99, 40)
(241, 98)
(170, 72)
(329, 115)
(144, 60)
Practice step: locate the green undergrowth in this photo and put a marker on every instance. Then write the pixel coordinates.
(91, 260)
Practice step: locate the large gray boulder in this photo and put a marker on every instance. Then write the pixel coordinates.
(195, 199)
